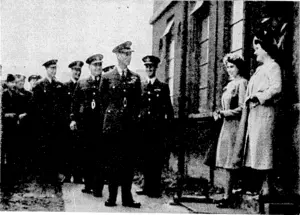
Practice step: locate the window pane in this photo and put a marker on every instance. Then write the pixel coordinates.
(203, 76)
(172, 50)
(203, 100)
(203, 52)
(171, 78)
(205, 29)
(237, 12)
(237, 36)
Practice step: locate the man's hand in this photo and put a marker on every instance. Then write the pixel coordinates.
(217, 115)
(73, 126)
(21, 116)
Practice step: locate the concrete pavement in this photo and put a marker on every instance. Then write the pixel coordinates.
(76, 201)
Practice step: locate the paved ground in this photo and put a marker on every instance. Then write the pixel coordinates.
(31, 197)
(75, 201)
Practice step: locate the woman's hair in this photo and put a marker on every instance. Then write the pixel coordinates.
(237, 60)
(267, 42)
(10, 78)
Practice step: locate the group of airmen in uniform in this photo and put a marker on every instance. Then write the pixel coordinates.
(97, 128)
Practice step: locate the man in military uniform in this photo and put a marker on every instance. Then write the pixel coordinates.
(87, 118)
(156, 116)
(48, 109)
(120, 95)
(72, 149)
(107, 68)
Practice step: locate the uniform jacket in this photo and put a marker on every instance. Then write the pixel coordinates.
(86, 107)
(121, 100)
(156, 107)
(48, 105)
(69, 90)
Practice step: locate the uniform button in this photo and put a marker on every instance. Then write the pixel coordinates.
(157, 95)
(149, 112)
(148, 92)
(149, 99)
(94, 93)
(124, 90)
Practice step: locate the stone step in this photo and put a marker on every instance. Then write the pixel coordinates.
(242, 204)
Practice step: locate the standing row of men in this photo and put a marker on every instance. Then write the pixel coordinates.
(102, 122)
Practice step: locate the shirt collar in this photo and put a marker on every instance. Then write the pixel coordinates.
(50, 80)
(151, 80)
(120, 70)
(73, 80)
(94, 77)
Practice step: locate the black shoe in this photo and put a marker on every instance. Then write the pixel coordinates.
(141, 192)
(97, 194)
(224, 203)
(132, 204)
(109, 203)
(88, 191)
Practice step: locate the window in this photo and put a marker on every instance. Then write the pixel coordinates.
(170, 66)
(237, 26)
(198, 61)
(170, 46)
(203, 66)
(201, 47)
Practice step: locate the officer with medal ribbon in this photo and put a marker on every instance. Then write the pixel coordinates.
(73, 150)
(120, 95)
(156, 117)
(48, 111)
(86, 118)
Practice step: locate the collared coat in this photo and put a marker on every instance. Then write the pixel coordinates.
(233, 99)
(156, 108)
(266, 85)
(70, 89)
(156, 118)
(121, 99)
(86, 111)
(48, 110)
(86, 108)
(49, 107)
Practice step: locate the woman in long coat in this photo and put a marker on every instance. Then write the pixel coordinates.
(262, 96)
(232, 105)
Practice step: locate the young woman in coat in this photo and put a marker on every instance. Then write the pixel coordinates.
(232, 105)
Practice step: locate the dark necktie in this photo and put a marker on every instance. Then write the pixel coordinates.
(123, 74)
